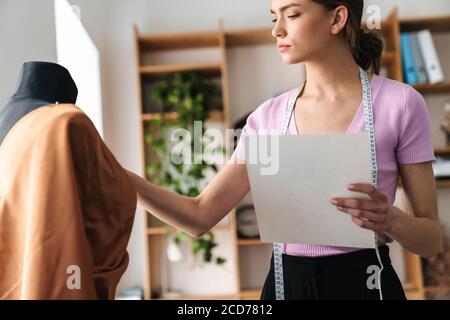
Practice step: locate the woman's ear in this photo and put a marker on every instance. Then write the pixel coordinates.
(339, 19)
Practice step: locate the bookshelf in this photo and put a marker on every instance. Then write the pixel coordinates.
(149, 71)
(439, 27)
(442, 151)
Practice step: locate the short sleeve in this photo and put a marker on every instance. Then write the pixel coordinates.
(257, 123)
(415, 138)
(250, 127)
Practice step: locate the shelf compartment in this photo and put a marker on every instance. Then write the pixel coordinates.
(443, 183)
(176, 41)
(442, 150)
(434, 24)
(439, 152)
(157, 72)
(250, 294)
(156, 231)
(214, 116)
(442, 87)
(249, 242)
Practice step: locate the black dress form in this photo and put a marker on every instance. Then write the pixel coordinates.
(39, 84)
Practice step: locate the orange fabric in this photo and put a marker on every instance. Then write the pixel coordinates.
(64, 201)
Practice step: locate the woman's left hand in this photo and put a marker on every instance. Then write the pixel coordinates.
(376, 213)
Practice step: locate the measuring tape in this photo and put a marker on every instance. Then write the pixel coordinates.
(369, 127)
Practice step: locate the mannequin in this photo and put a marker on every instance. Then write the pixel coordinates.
(66, 204)
(39, 84)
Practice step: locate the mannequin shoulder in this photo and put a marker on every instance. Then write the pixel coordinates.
(62, 119)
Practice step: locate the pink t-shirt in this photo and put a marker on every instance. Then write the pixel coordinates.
(402, 133)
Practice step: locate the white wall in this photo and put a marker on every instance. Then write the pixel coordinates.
(27, 33)
(413, 8)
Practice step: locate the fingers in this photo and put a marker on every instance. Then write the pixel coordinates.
(367, 224)
(368, 189)
(368, 214)
(364, 214)
(361, 204)
(378, 201)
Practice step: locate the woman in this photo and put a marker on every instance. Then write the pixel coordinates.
(326, 36)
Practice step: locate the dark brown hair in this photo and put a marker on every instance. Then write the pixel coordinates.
(366, 48)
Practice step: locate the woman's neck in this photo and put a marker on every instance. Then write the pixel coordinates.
(332, 75)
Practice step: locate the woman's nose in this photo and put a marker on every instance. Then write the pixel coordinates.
(277, 31)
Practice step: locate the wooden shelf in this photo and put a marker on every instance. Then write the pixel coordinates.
(434, 24)
(148, 70)
(412, 292)
(177, 41)
(160, 71)
(443, 87)
(250, 294)
(409, 286)
(249, 242)
(436, 288)
(214, 116)
(236, 38)
(385, 25)
(202, 297)
(388, 57)
(442, 150)
(157, 231)
(443, 183)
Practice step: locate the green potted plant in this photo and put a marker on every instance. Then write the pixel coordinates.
(191, 97)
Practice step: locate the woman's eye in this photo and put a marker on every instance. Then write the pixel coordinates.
(290, 17)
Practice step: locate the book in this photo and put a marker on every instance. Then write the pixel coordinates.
(419, 63)
(430, 57)
(409, 68)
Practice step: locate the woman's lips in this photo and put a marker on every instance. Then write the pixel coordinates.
(282, 48)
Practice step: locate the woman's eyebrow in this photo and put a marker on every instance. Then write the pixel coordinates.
(286, 7)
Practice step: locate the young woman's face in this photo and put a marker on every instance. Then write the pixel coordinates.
(304, 26)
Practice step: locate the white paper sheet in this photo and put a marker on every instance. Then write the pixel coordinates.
(293, 205)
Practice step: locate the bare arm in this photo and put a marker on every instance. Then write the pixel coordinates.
(195, 215)
(420, 233)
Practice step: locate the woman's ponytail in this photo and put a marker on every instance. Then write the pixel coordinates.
(367, 51)
(366, 48)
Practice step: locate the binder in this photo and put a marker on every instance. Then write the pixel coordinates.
(408, 59)
(418, 59)
(433, 67)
